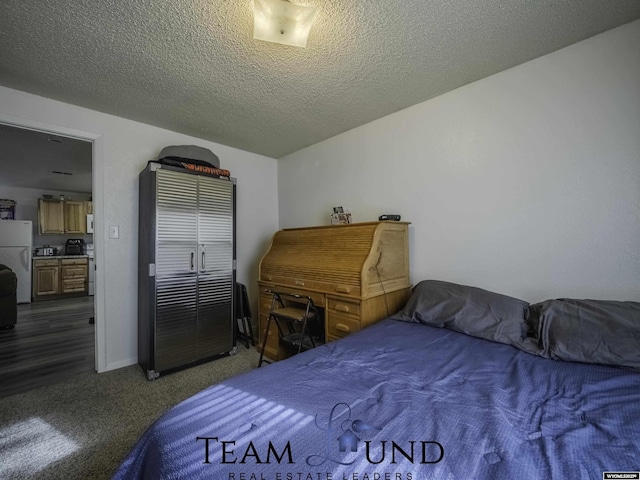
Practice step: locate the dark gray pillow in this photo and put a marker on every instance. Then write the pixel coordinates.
(591, 331)
(190, 152)
(469, 310)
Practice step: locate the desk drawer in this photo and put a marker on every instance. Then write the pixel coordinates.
(318, 298)
(309, 285)
(272, 335)
(265, 303)
(342, 307)
(341, 325)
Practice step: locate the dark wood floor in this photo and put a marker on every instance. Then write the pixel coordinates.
(52, 341)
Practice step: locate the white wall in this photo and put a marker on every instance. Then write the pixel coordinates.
(27, 209)
(525, 183)
(123, 149)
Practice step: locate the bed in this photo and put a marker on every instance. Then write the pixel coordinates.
(462, 383)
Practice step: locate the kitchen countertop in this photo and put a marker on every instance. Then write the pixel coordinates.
(48, 257)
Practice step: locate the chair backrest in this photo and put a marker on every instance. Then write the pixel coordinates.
(315, 323)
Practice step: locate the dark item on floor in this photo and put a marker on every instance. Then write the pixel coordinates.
(8, 298)
(243, 314)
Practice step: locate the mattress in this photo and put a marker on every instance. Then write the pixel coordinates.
(401, 401)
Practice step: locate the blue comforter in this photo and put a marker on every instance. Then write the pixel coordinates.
(401, 401)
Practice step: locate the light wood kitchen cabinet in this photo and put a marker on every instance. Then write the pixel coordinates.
(88, 206)
(55, 276)
(75, 218)
(74, 275)
(50, 216)
(46, 274)
(59, 216)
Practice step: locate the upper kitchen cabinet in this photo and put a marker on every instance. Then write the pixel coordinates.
(89, 207)
(75, 218)
(59, 217)
(50, 216)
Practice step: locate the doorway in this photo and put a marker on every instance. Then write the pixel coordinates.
(58, 332)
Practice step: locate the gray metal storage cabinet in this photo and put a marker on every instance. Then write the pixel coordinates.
(186, 268)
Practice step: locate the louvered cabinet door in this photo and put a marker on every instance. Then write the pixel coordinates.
(215, 266)
(176, 270)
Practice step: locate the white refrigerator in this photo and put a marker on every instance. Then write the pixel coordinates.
(16, 241)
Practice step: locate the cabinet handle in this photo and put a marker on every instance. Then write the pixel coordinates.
(343, 289)
(193, 266)
(300, 283)
(341, 307)
(341, 327)
(203, 262)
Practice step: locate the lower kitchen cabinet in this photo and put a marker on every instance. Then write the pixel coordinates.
(46, 274)
(74, 275)
(54, 276)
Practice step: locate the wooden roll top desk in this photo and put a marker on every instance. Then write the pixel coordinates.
(357, 274)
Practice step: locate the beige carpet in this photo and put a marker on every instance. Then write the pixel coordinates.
(83, 428)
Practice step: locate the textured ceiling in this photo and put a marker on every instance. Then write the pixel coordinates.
(192, 65)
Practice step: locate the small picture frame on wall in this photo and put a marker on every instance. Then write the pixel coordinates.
(341, 218)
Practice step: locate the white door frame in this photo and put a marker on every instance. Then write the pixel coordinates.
(97, 170)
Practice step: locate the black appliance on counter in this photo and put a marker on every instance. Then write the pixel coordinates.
(74, 246)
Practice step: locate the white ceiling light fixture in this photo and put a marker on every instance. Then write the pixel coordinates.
(281, 21)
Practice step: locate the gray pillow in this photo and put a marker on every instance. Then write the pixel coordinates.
(190, 152)
(591, 331)
(469, 310)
